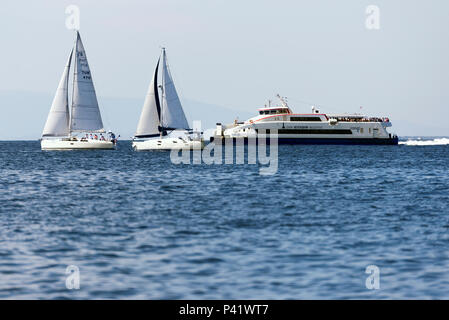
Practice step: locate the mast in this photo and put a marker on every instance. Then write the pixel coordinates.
(283, 101)
(160, 122)
(73, 81)
(162, 86)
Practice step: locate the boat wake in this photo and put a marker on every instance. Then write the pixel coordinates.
(434, 142)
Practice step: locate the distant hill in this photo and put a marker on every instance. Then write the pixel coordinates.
(24, 115)
(27, 112)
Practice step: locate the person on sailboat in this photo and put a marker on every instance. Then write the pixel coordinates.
(111, 137)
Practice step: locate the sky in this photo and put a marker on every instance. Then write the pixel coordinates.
(228, 57)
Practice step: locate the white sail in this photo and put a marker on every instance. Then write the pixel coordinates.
(57, 124)
(85, 111)
(172, 114)
(150, 116)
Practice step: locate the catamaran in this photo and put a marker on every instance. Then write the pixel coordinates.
(310, 128)
(163, 124)
(82, 128)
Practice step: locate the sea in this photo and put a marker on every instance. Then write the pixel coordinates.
(333, 222)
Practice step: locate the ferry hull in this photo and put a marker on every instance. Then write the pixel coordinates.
(326, 141)
(76, 145)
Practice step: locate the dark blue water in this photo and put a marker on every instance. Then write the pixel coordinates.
(138, 226)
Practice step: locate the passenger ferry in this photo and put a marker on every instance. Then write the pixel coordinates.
(311, 128)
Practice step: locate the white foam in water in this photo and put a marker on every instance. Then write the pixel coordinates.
(434, 142)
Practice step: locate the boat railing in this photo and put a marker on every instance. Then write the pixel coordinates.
(361, 119)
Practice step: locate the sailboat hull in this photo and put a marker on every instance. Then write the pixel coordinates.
(54, 144)
(167, 144)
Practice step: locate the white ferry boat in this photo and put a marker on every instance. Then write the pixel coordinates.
(311, 128)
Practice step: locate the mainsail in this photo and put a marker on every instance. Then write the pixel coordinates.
(85, 111)
(150, 117)
(173, 116)
(57, 124)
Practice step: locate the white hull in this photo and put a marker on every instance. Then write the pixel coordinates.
(167, 143)
(314, 128)
(55, 144)
(313, 133)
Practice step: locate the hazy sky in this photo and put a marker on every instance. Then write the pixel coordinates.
(236, 54)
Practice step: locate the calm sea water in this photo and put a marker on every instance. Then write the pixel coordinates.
(139, 227)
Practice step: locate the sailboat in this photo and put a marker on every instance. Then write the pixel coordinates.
(163, 124)
(82, 126)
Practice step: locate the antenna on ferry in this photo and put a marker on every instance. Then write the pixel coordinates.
(283, 100)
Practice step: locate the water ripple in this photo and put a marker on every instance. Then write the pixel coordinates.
(139, 227)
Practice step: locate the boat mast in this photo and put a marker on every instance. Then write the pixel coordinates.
(162, 91)
(283, 101)
(160, 121)
(73, 81)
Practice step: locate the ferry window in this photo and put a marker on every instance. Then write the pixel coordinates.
(305, 119)
(273, 111)
(361, 130)
(260, 112)
(314, 131)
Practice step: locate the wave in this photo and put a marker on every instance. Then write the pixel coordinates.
(419, 142)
